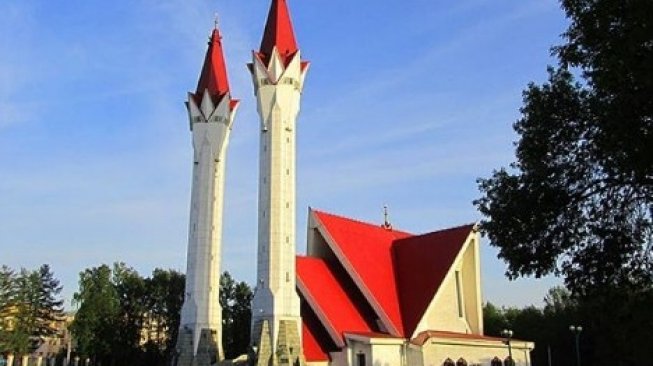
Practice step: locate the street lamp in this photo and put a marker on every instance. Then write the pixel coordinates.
(576, 329)
(508, 334)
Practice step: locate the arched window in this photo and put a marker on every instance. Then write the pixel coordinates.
(496, 361)
(448, 362)
(508, 361)
(461, 362)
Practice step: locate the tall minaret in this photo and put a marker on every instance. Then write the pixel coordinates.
(278, 74)
(211, 112)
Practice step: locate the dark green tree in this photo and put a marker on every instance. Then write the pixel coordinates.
(7, 301)
(494, 320)
(49, 307)
(25, 313)
(235, 299)
(165, 293)
(578, 200)
(132, 308)
(96, 320)
(547, 327)
(30, 303)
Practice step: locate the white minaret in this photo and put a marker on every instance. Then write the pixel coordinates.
(278, 74)
(211, 111)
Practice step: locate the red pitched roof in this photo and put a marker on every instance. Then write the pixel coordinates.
(214, 72)
(368, 258)
(398, 272)
(421, 263)
(316, 343)
(278, 32)
(311, 345)
(326, 296)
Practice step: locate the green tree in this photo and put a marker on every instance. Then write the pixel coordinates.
(494, 320)
(235, 299)
(119, 309)
(547, 327)
(31, 304)
(49, 307)
(24, 317)
(132, 308)
(95, 324)
(578, 200)
(165, 293)
(7, 300)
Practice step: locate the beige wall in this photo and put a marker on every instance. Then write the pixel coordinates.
(436, 351)
(470, 276)
(442, 313)
(386, 355)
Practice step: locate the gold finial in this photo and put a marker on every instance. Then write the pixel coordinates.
(386, 222)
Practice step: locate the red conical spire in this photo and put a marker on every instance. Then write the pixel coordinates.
(278, 32)
(214, 72)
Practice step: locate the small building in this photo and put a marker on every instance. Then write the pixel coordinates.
(374, 295)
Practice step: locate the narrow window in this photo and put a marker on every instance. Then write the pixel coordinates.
(361, 359)
(459, 294)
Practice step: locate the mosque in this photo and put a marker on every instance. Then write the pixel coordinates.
(365, 294)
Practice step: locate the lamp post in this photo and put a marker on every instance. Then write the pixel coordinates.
(508, 334)
(576, 329)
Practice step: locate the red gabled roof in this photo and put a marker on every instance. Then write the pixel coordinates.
(421, 263)
(368, 257)
(278, 32)
(400, 272)
(311, 345)
(214, 72)
(327, 297)
(316, 342)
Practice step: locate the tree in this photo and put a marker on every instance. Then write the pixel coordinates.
(124, 318)
(132, 308)
(30, 304)
(24, 317)
(578, 200)
(494, 320)
(94, 327)
(49, 307)
(165, 293)
(235, 299)
(7, 300)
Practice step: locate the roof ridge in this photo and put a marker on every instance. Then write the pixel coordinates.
(378, 226)
(439, 231)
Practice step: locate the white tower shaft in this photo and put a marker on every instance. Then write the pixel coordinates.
(278, 90)
(211, 126)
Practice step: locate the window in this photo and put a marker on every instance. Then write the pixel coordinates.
(459, 294)
(461, 362)
(448, 362)
(360, 358)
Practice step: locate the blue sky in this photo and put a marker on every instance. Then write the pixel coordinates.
(406, 104)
